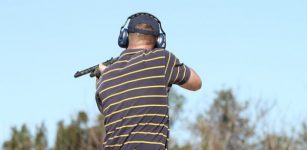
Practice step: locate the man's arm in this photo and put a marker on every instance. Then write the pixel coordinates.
(194, 82)
(180, 74)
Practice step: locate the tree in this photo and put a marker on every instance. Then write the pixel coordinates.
(78, 135)
(176, 103)
(40, 140)
(73, 136)
(302, 137)
(60, 142)
(20, 140)
(96, 134)
(278, 142)
(224, 127)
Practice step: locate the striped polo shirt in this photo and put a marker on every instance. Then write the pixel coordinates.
(132, 94)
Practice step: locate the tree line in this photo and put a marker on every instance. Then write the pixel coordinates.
(224, 126)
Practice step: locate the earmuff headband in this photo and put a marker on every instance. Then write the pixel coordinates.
(143, 13)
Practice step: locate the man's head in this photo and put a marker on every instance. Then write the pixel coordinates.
(143, 31)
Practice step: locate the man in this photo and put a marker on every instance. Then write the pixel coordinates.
(132, 93)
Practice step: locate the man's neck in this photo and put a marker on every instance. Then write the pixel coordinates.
(140, 47)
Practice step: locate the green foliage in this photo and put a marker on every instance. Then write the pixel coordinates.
(225, 126)
(302, 140)
(176, 103)
(278, 142)
(40, 140)
(78, 136)
(20, 140)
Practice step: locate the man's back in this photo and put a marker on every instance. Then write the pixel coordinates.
(133, 96)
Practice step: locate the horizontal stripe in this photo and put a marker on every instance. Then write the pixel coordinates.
(133, 133)
(133, 72)
(110, 132)
(144, 60)
(143, 142)
(132, 98)
(139, 124)
(135, 116)
(132, 107)
(113, 145)
(139, 79)
(132, 89)
(136, 142)
(115, 137)
(120, 61)
(150, 133)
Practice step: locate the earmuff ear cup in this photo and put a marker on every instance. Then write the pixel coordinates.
(161, 41)
(123, 38)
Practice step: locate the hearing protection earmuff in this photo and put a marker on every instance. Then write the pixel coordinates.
(123, 34)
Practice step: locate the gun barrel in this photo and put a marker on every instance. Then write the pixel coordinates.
(85, 71)
(93, 68)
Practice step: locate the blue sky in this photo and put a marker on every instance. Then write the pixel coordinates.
(258, 48)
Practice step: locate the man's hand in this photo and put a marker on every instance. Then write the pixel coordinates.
(98, 71)
(102, 67)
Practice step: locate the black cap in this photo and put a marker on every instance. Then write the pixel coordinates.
(144, 19)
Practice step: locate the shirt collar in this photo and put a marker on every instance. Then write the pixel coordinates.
(131, 51)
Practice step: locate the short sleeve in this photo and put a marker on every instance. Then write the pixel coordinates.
(175, 71)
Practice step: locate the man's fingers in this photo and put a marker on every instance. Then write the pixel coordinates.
(98, 71)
